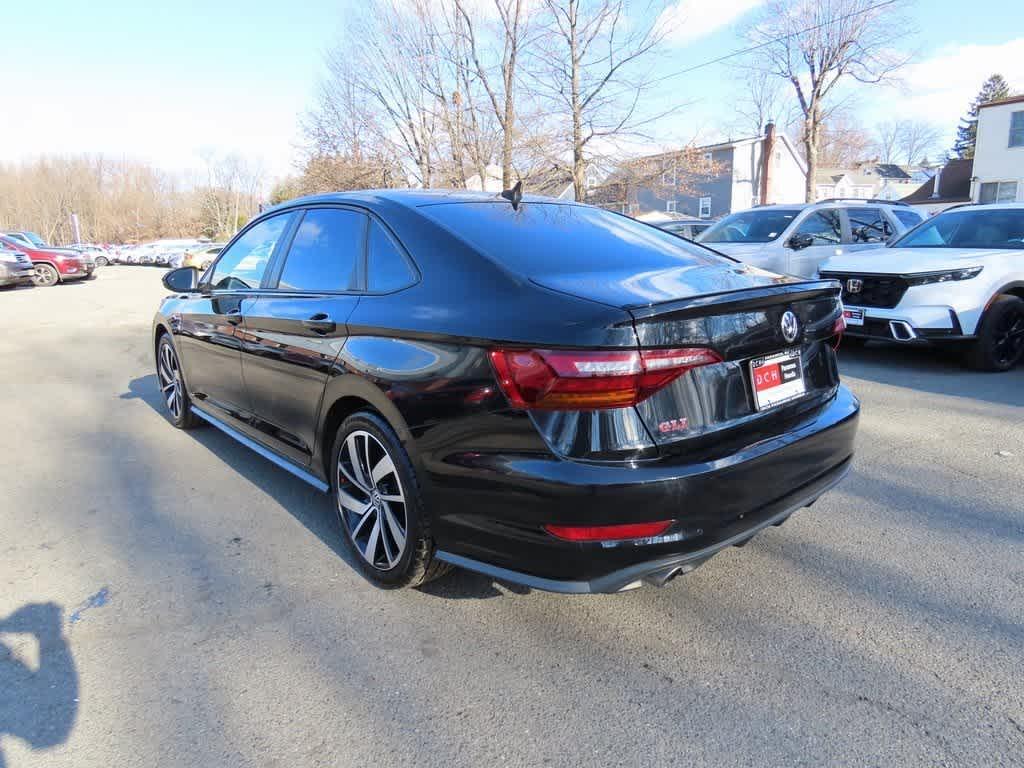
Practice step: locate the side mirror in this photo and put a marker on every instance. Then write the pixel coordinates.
(181, 280)
(798, 242)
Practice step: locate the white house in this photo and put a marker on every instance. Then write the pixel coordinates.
(999, 152)
(863, 181)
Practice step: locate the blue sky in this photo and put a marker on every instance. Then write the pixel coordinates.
(163, 81)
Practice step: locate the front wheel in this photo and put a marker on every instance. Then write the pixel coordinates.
(45, 275)
(378, 501)
(1000, 343)
(101, 261)
(172, 385)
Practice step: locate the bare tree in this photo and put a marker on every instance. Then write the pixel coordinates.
(844, 142)
(512, 34)
(887, 139)
(816, 45)
(588, 70)
(760, 101)
(918, 138)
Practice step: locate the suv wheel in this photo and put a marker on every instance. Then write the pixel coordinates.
(378, 501)
(45, 275)
(101, 261)
(172, 386)
(1000, 342)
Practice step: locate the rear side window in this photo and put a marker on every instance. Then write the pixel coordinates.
(387, 269)
(325, 251)
(868, 225)
(823, 226)
(553, 238)
(909, 218)
(243, 264)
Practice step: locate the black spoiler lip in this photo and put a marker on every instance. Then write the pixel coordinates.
(744, 299)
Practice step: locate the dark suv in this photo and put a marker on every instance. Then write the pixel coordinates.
(546, 392)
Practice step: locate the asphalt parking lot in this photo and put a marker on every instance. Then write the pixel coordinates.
(170, 598)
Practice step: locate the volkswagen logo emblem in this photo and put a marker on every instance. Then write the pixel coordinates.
(790, 326)
(853, 285)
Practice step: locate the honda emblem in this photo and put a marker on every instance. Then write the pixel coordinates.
(853, 285)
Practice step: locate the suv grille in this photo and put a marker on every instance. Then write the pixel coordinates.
(876, 291)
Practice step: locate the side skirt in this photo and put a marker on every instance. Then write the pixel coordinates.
(266, 453)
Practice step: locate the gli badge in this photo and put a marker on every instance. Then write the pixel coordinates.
(674, 425)
(790, 326)
(853, 285)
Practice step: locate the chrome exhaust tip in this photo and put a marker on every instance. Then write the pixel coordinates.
(901, 330)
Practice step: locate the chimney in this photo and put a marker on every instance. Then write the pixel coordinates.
(938, 179)
(767, 150)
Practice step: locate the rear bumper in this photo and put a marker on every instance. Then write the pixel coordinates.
(491, 519)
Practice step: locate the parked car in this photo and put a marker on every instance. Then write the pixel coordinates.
(99, 254)
(201, 256)
(15, 265)
(30, 239)
(51, 265)
(958, 278)
(545, 392)
(795, 239)
(688, 228)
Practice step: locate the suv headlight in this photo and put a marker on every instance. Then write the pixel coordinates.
(944, 277)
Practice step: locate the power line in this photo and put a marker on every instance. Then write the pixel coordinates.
(766, 43)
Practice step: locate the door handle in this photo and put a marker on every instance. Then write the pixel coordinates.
(320, 323)
(234, 316)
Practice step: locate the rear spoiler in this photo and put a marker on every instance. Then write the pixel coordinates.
(743, 300)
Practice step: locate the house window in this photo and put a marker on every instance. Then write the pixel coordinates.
(668, 177)
(755, 201)
(998, 192)
(670, 206)
(705, 208)
(708, 160)
(1017, 129)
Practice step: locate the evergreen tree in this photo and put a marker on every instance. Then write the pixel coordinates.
(967, 134)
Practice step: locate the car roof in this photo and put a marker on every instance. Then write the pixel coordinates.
(985, 207)
(413, 198)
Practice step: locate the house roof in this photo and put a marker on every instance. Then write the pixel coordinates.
(1019, 99)
(551, 182)
(954, 185)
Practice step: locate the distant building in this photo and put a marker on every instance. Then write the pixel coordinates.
(951, 185)
(870, 180)
(553, 182)
(740, 175)
(999, 152)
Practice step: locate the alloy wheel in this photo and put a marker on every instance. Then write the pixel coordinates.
(371, 501)
(170, 380)
(44, 275)
(1008, 338)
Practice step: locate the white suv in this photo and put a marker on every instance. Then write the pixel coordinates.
(959, 277)
(795, 239)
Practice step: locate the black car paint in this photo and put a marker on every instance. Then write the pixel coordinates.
(492, 475)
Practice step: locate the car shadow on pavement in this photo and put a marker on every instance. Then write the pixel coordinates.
(307, 505)
(38, 703)
(938, 371)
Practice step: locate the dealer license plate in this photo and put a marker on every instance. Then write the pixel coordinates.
(854, 315)
(777, 379)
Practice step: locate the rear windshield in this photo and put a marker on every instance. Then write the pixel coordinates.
(999, 228)
(750, 226)
(554, 238)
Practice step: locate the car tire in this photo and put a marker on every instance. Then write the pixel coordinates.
(101, 261)
(44, 275)
(173, 391)
(390, 539)
(1000, 339)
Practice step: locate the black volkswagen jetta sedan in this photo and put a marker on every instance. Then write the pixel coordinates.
(545, 392)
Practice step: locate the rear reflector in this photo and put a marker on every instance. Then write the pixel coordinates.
(609, 532)
(572, 380)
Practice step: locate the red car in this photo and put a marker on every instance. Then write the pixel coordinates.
(52, 265)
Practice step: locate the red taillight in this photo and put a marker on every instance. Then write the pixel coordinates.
(578, 381)
(609, 532)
